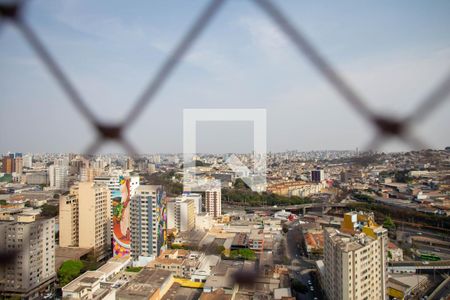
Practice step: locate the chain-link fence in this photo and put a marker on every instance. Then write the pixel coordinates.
(386, 127)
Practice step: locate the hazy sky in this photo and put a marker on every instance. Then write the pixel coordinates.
(392, 52)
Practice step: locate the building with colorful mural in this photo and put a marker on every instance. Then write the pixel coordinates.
(121, 218)
(122, 188)
(148, 223)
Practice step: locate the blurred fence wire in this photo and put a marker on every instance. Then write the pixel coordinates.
(386, 127)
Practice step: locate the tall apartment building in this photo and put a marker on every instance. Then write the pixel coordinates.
(18, 164)
(122, 189)
(69, 218)
(197, 198)
(33, 271)
(181, 214)
(114, 185)
(355, 259)
(85, 219)
(8, 164)
(94, 218)
(59, 176)
(213, 202)
(148, 222)
(317, 175)
(28, 161)
(89, 173)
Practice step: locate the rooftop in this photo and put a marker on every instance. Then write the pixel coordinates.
(145, 284)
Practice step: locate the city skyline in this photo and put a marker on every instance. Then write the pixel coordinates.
(394, 55)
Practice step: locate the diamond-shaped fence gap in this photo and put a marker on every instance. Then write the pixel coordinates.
(105, 64)
(175, 56)
(307, 49)
(32, 105)
(206, 69)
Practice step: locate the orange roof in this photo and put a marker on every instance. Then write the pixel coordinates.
(391, 245)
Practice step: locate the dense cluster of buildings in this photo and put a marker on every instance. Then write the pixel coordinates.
(154, 245)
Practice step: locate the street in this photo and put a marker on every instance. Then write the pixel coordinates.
(304, 269)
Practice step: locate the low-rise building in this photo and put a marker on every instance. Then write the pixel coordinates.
(394, 252)
(149, 284)
(99, 284)
(256, 240)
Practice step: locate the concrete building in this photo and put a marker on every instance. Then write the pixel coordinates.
(94, 221)
(148, 225)
(94, 218)
(113, 184)
(203, 221)
(256, 240)
(84, 219)
(355, 259)
(89, 173)
(181, 214)
(147, 285)
(8, 164)
(58, 176)
(317, 175)
(99, 284)
(39, 177)
(68, 218)
(213, 202)
(197, 200)
(33, 270)
(18, 165)
(28, 161)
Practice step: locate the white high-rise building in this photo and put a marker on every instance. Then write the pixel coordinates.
(148, 224)
(28, 161)
(197, 198)
(213, 202)
(181, 214)
(355, 259)
(58, 176)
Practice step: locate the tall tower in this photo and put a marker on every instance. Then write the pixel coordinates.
(58, 176)
(355, 259)
(68, 218)
(94, 218)
(148, 222)
(33, 268)
(213, 202)
(181, 214)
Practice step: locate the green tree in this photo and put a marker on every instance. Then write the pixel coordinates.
(246, 254)
(134, 269)
(219, 250)
(388, 223)
(49, 210)
(240, 184)
(69, 270)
